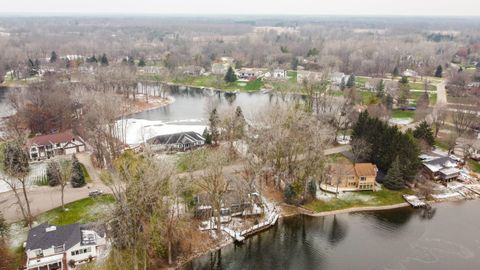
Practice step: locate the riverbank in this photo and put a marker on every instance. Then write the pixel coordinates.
(144, 103)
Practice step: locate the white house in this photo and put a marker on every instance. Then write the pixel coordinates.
(49, 247)
(249, 74)
(336, 78)
(310, 76)
(49, 145)
(410, 73)
(221, 67)
(181, 141)
(279, 74)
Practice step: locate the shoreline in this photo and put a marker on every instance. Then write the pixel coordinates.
(303, 211)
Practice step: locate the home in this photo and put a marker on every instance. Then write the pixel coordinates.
(410, 73)
(348, 177)
(279, 74)
(181, 141)
(62, 247)
(336, 78)
(249, 74)
(221, 66)
(442, 168)
(309, 76)
(50, 145)
(192, 70)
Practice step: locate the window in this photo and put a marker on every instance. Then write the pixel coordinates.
(363, 178)
(39, 253)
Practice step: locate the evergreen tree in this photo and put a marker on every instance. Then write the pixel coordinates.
(351, 81)
(239, 123)
(104, 60)
(312, 188)
(342, 84)
(380, 89)
(424, 132)
(214, 121)
(53, 173)
(77, 178)
(404, 80)
(206, 135)
(53, 57)
(289, 193)
(394, 179)
(395, 72)
(388, 102)
(439, 71)
(230, 77)
(92, 59)
(142, 63)
(295, 63)
(131, 60)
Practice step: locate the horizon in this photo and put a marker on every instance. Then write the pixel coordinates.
(368, 8)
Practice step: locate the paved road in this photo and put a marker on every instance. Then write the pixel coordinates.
(43, 199)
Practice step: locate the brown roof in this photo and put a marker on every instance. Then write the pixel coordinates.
(62, 137)
(342, 169)
(366, 169)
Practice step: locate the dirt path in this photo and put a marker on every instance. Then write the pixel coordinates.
(441, 94)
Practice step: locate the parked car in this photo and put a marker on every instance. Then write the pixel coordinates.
(95, 193)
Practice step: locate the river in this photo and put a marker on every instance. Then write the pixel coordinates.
(403, 238)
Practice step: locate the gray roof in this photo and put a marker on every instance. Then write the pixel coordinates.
(182, 137)
(39, 238)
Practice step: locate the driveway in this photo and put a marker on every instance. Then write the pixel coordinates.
(441, 94)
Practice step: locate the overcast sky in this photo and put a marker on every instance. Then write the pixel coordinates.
(311, 7)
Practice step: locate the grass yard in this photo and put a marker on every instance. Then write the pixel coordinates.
(360, 81)
(217, 82)
(474, 165)
(378, 198)
(254, 85)
(368, 97)
(292, 76)
(421, 86)
(431, 96)
(441, 144)
(82, 211)
(403, 114)
(88, 179)
(192, 160)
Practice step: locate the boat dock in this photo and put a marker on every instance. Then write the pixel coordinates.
(414, 201)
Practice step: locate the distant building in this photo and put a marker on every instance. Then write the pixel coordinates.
(372, 84)
(470, 145)
(51, 247)
(349, 177)
(50, 145)
(192, 70)
(181, 141)
(249, 74)
(279, 74)
(336, 78)
(410, 73)
(221, 66)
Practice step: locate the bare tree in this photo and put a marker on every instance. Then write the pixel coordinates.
(361, 149)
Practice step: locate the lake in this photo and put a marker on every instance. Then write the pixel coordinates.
(447, 238)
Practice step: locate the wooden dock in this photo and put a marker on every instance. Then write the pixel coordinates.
(414, 201)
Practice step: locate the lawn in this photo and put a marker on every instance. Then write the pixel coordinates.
(217, 82)
(368, 97)
(378, 198)
(441, 144)
(431, 96)
(403, 114)
(474, 165)
(82, 211)
(421, 86)
(292, 76)
(192, 160)
(254, 85)
(360, 81)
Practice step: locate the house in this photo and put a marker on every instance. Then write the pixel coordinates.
(442, 168)
(50, 145)
(336, 78)
(279, 74)
(221, 66)
(310, 76)
(192, 70)
(249, 74)
(51, 247)
(181, 141)
(410, 73)
(348, 177)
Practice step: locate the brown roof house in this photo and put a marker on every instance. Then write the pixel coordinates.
(348, 177)
(50, 145)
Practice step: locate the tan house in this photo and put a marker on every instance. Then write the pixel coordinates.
(348, 177)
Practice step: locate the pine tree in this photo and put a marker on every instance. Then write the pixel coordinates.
(53, 173)
(214, 120)
(239, 123)
(424, 132)
(206, 135)
(92, 59)
(351, 81)
(3, 228)
(104, 60)
(142, 63)
(230, 77)
(439, 71)
(394, 179)
(395, 72)
(380, 89)
(77, 178)
(53, 57)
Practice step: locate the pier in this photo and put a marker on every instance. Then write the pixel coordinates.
(414, 201)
